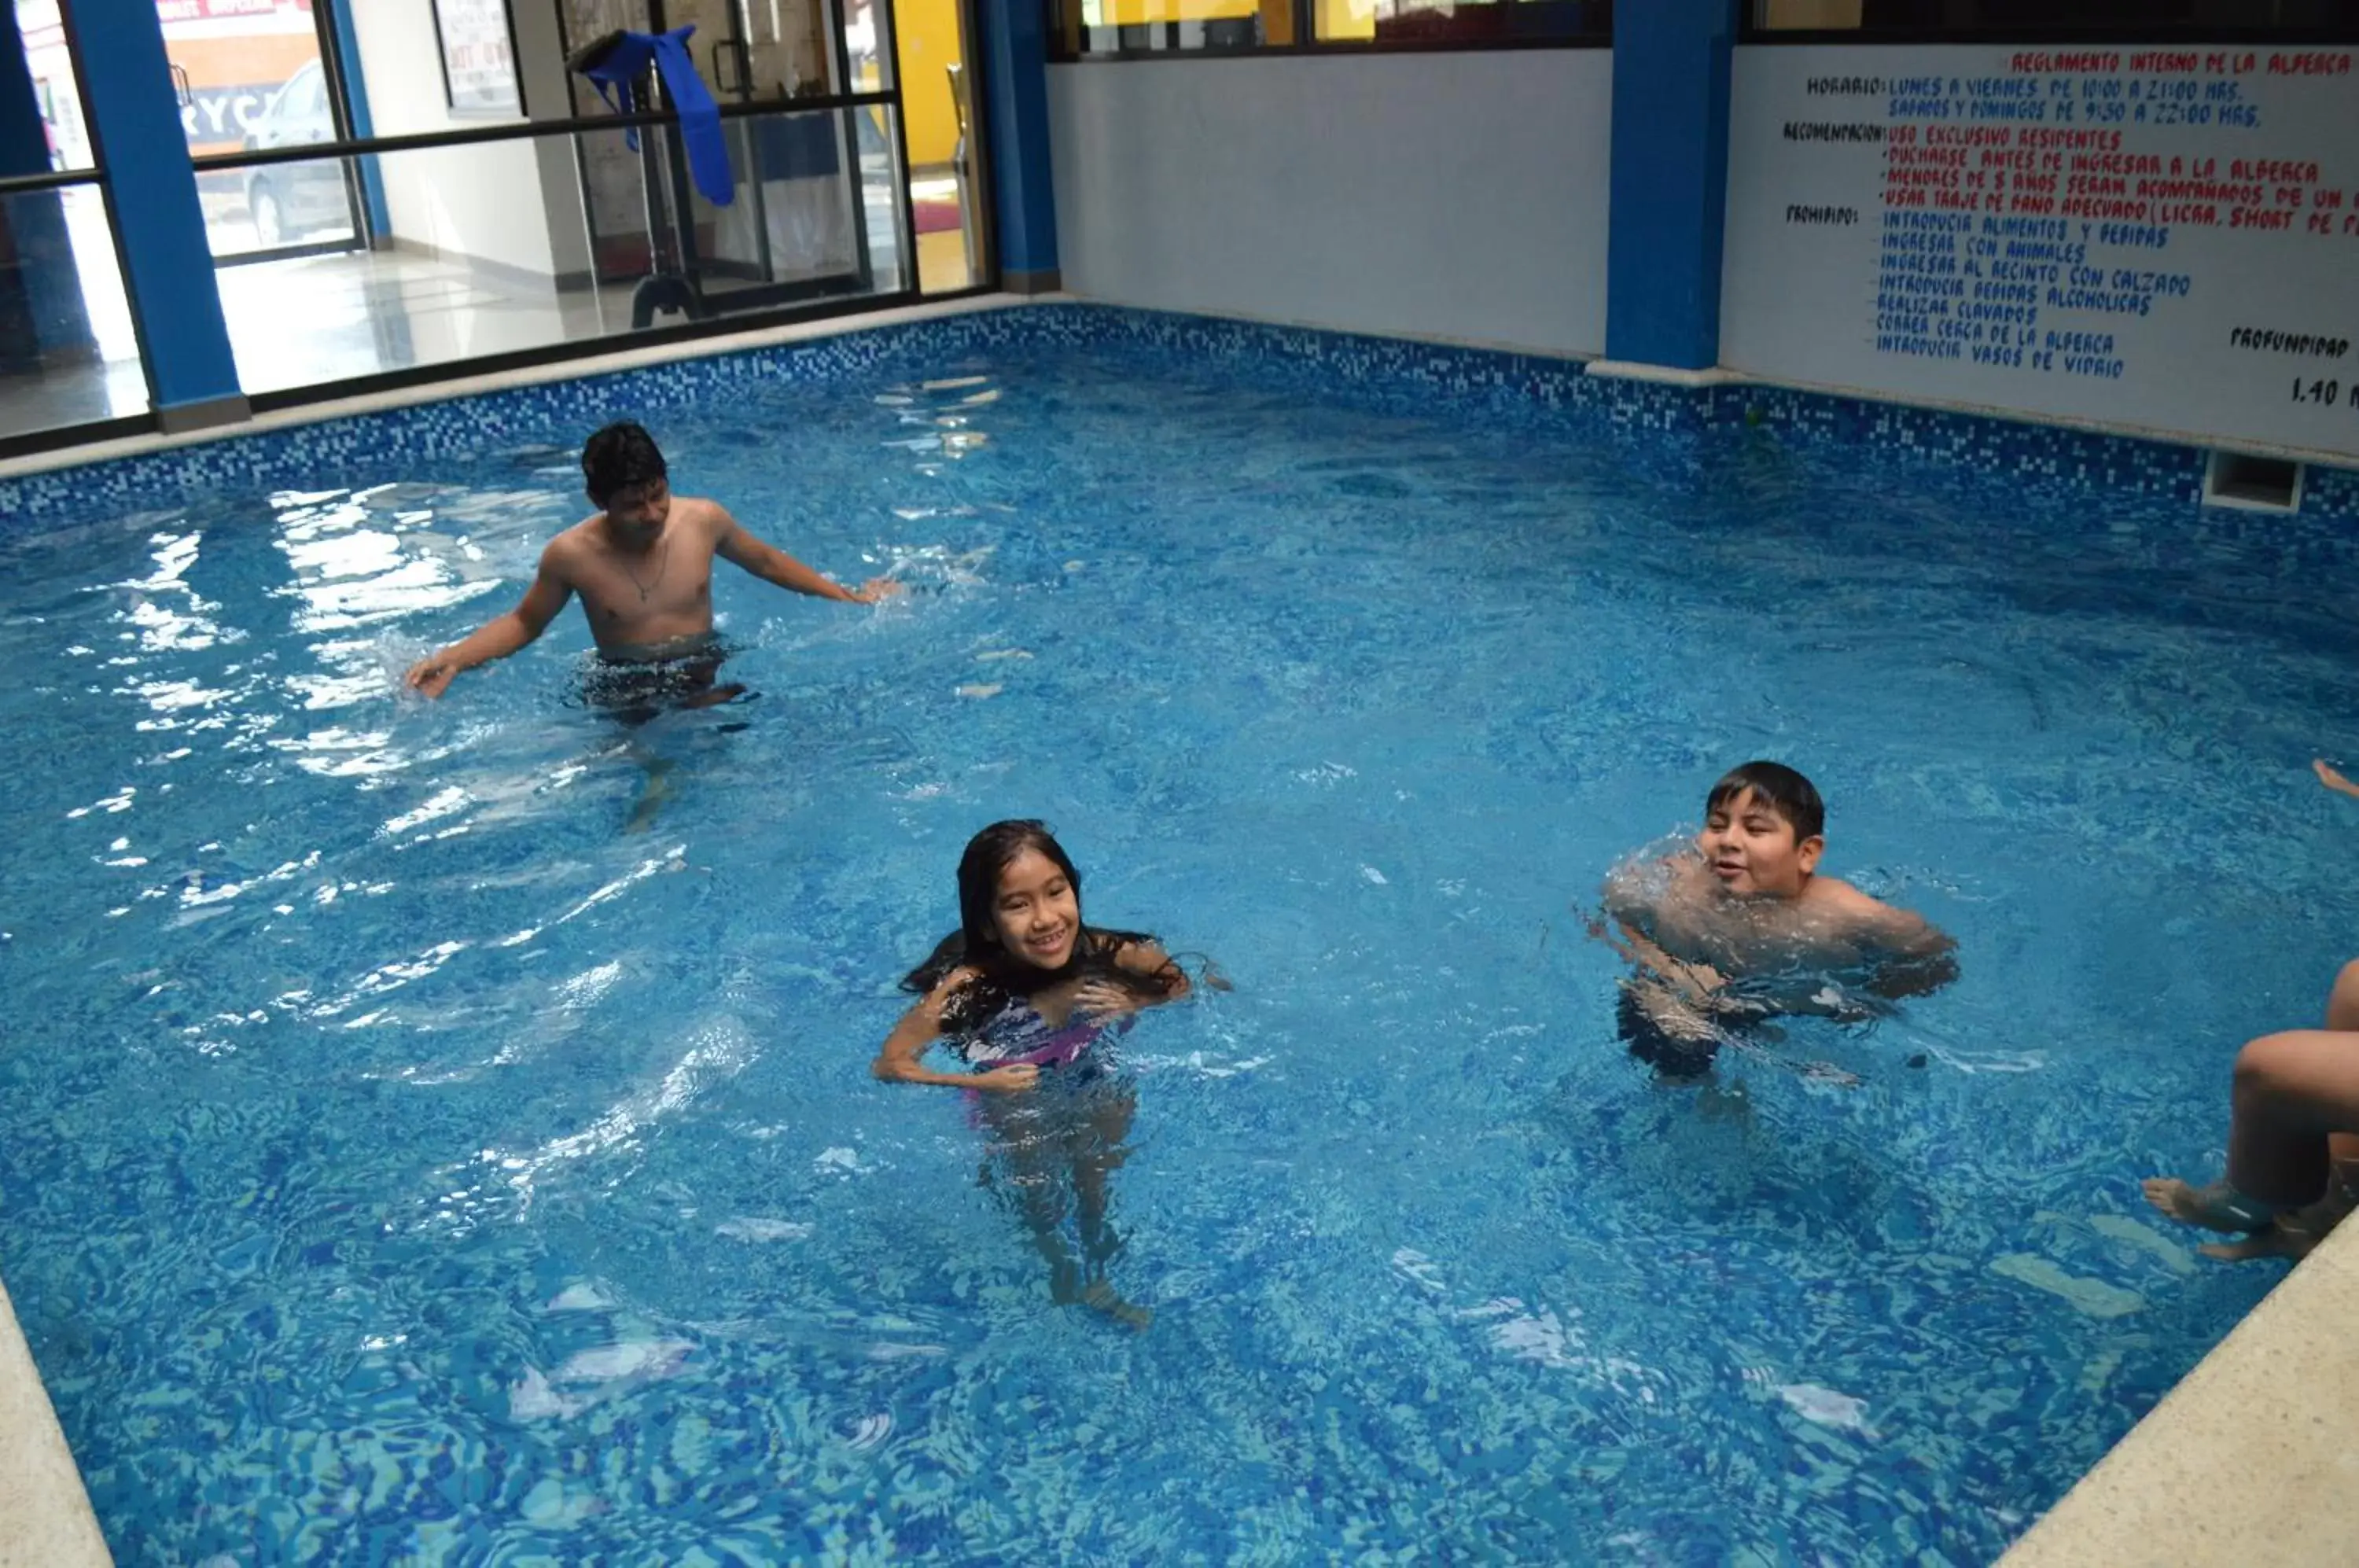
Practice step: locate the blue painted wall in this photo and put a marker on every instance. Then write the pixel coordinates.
(1015, 99)
(1669, 183)
(134, 117)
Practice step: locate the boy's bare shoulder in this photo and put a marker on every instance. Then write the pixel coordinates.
(1833, 895)
(1846, 907)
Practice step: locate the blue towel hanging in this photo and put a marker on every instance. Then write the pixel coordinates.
(614, 66)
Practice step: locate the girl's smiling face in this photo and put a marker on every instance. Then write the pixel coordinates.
(1036, 912)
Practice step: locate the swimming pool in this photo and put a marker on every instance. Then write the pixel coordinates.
(402, 1160)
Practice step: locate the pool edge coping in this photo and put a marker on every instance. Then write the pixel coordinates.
(46, 1518)
(2245, 1460)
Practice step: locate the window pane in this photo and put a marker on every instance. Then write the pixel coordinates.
(1151, 26)
(506, 247)
(938, 107)
(249, 76)
(748, 51)
(63, 141)
(68, 354)
(1962, 19)
(1459, 21)
(276, 208)
(1777, 15)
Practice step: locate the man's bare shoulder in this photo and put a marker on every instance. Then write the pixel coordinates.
(702, 513)
(572, 546)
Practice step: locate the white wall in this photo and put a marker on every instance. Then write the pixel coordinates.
(484, 203)
(1447, 195)
(2133, 296)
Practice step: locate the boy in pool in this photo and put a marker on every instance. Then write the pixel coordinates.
(1715, 930)
(642, 566)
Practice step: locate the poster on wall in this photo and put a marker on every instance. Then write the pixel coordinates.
(478, 57)
(2164, 238)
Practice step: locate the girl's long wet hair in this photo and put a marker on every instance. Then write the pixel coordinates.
(1001, 977)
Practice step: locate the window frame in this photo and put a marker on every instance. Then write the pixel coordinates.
(1751, 31)
(1305, 15)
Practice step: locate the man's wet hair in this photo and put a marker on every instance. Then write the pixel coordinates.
(1792, 797)
(621, 457)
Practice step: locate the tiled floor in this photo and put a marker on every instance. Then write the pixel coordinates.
(308, 320)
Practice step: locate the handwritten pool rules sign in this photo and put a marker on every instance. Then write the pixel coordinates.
(2164, 238)
(478, 57)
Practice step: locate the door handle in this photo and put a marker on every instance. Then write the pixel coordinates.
(734, 49)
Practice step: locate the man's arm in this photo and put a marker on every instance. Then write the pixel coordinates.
(771, 564)
(501, 635)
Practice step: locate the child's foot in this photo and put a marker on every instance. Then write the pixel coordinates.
(2216, 1207)
(2278, 1241)
(1129, 1314)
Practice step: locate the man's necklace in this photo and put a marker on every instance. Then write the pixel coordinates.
(662, 560)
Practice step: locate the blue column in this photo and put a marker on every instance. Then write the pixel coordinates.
(1669, 183)
(135, 118)
(1016, 106)
(356, 109)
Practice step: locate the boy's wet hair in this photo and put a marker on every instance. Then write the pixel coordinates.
(1792, 797)
(621, 457)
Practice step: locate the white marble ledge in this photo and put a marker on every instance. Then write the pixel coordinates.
(2251, 1462)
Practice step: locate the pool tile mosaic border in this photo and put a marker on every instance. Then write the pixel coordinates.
(1387, 374)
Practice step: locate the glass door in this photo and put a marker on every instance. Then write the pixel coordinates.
(252, 74)
(798, 225)
(937, 104)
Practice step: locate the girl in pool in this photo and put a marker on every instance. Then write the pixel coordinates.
(1024, 993)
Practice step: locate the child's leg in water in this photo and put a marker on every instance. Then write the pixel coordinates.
(1015, 1168)
(2296, 1235)
(1038, 1162)
(2291, 1094)
(653, 793)
(638, 698)
(1099, 1152)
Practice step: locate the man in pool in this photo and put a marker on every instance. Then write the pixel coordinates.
(642, 566)
(1742, 926)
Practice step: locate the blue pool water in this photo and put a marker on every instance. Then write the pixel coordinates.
(403, 1163)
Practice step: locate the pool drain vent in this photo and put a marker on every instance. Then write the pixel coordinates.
(2254, 484)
